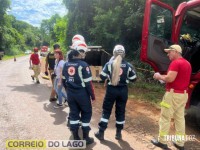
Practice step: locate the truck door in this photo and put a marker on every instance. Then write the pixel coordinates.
(157, 34)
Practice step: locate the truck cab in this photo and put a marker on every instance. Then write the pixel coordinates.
(164, 26)
(44, 51)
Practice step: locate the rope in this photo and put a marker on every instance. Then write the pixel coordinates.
(106, 52)
(145, 70)
(135, 67)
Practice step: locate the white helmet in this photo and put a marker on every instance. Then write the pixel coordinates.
(77, 37)
(119, 50)
(79, 45)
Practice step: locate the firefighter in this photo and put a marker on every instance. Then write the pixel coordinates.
(35, 64)
(80, 92)
(119, 73)
(75, 38)
(173, 103)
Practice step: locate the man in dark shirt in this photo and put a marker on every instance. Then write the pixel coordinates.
(49, 65)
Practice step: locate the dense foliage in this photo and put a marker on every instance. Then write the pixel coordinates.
(16, 36)
(108, 22)
(101, 22)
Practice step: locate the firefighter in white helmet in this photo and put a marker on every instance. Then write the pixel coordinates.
(119, 73)
(75, 38)
(80, 92)
(78, 37)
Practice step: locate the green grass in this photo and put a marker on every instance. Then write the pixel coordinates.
(7, 57)
(151, 92)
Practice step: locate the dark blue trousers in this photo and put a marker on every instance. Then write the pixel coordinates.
(80, 108)
(119, 96)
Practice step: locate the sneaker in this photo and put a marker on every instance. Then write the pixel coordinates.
(32, 78)
(58, 106)
(38, 82)
(52, 99)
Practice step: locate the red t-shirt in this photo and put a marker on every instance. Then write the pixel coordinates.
(35, 59)
(182, 79)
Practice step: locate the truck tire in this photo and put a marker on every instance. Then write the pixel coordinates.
(0, 57)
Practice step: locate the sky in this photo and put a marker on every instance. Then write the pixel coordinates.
(34, 11)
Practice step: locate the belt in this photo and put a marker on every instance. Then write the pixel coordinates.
(176, 91)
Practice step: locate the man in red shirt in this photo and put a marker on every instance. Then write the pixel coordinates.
(35, 64)
(173, 103)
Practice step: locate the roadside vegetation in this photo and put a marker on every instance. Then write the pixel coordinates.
(7, 57)
(146, 91)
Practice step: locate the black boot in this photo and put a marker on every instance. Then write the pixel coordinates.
(118, 135)
(86, 137)
(159, 144)
(75, 135)
(99, 135)
(68, 122)
(177, 146)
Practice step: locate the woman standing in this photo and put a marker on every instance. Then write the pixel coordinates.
(118, 72)
(58, 86)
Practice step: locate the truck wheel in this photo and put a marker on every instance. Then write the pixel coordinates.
(0, 57)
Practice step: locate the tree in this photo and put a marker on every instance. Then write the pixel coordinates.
(60, 30)
(80, 18)
(5, 4)
(47, 30)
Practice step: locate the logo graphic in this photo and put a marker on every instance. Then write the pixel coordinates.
(71, 71)
(43, 144)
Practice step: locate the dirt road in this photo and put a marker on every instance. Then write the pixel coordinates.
(27, 114)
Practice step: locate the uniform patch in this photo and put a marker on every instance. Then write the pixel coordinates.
(71, 71)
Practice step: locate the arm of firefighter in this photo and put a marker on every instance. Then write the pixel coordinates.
(104, 73)
(90, 89)
(170, 77)
(87, 78)
(131, 74)
(30, 63)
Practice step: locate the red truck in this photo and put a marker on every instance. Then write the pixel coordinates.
(164, 26)
(44, 51)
